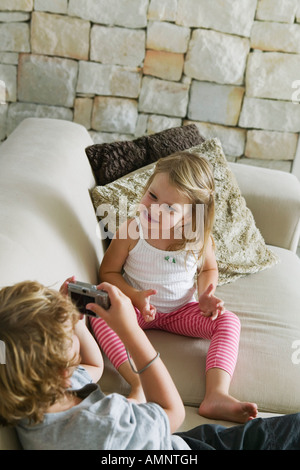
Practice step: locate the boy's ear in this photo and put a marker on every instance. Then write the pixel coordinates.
(67, 378)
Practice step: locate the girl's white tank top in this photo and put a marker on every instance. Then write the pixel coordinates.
(171, 273)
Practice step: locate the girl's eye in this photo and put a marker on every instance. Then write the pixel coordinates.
(152, 195)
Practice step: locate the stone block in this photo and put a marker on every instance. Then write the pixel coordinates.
(125, 82)
(280, 37)
(14, 17)
(83, 111)
(47, 80)
(52, 6)
(271, 74)
(217, 57)
(270, 115)
(16, 5)
(10, 58)
(107, 137)
(129, 14)
(166, 65)
(227, 16)
(93, 79)
(100, 79)
(8, 75)
(298, 13)
(162, 10)
(17, 112)
(163, 97)
(14, 37)
(168, 37)
(277, 10)
(114, 115)
(266, 145)
(210, 102)
(120, 46)
(60, 36)
(2, 92)
(141, 125)
(232, 138)
(160, 123)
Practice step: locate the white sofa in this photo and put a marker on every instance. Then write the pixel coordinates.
(48, 231)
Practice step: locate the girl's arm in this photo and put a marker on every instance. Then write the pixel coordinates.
(111, 270)
(114, 259)
(209, 273)
(207, 282)
(157, 384)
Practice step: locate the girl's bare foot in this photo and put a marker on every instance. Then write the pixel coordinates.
(222, 406)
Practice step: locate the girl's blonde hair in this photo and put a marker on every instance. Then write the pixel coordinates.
(192, 175)
(36, 327)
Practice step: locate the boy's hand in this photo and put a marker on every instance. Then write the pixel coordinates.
(64, 287)
(120, 316)
(210, 305)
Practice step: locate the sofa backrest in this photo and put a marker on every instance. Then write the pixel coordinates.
(48, 227)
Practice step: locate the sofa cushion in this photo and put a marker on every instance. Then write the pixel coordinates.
(268, 364)
(240, 248)
(113, 160)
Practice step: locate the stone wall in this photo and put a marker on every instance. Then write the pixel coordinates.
(123, 68)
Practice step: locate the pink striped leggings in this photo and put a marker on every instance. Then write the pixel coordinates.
(224, 333)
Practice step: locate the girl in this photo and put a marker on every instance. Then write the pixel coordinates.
(159, 254)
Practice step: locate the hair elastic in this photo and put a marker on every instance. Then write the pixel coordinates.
(146, 366)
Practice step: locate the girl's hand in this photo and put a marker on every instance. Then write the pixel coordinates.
(142, 302)
(210, 305)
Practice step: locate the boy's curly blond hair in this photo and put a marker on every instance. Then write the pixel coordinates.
(36, 327)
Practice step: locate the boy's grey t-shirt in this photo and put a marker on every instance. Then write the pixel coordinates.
(101, 422)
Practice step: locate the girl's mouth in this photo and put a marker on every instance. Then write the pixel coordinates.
(148, 217)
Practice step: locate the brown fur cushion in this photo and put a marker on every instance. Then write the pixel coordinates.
(114, 160)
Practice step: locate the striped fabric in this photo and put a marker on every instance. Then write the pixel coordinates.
(224, 333)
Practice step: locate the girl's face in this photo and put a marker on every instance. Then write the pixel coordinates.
(163, 207)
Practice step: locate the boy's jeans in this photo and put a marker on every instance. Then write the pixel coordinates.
(276, 433)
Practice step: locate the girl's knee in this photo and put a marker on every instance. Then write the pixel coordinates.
(231, 320)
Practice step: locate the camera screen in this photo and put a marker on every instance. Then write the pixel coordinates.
(81, 301)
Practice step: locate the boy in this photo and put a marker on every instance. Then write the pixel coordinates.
(48, 389)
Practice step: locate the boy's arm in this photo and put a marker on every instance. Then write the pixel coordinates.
(157, 383)
(91, 357)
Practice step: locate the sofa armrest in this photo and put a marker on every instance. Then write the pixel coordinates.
(274, 199)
